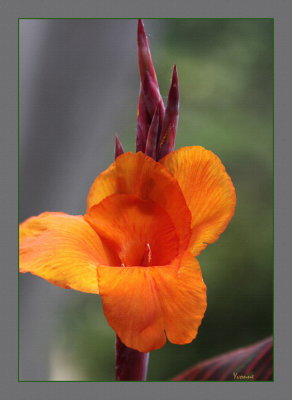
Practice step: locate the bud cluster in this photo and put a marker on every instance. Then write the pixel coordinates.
(156, 125)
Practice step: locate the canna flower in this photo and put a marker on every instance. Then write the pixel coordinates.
(148, 216)
(136, 245)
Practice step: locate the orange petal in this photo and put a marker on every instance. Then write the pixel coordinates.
(130, 224)
(131, 306)
(139, 175)
(141, 302)
(62, 249)
(208, 191)
(182, 295)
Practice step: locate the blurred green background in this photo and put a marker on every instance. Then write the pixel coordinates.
(225, 69)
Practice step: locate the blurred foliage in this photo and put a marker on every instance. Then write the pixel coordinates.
(225, 69)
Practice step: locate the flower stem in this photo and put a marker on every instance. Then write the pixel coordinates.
(131, 365)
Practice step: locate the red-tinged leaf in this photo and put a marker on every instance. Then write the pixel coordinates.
(118, 147)
(153, 133)
(169, 127)
(251, 363)
(145, 61)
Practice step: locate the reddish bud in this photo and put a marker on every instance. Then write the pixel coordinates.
(151, 95)
(145, 61)
(169, 127)
(118, 147)
(153, 133)
(142, 123)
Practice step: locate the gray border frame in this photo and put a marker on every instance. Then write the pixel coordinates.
(10, 13)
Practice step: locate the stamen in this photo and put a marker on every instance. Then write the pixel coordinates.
(147, 256)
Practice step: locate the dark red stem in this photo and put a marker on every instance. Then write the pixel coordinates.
(131, 365)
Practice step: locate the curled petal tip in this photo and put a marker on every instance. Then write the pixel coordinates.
(118, 147)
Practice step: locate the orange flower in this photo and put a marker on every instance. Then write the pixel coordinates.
(136, 245)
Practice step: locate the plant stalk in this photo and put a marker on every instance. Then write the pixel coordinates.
(131, 365)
